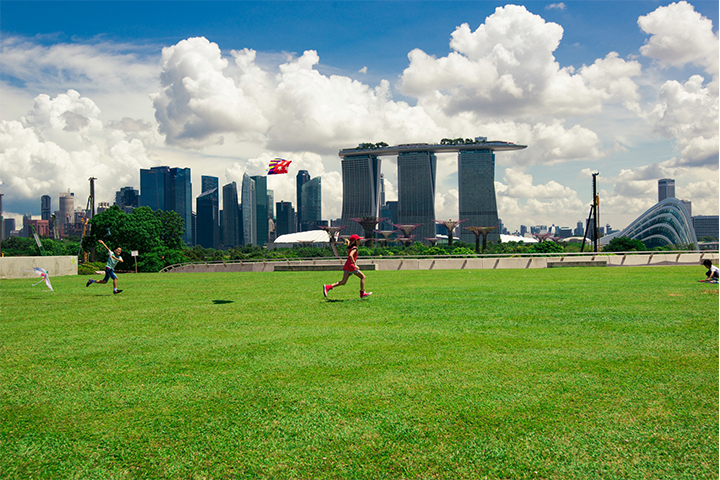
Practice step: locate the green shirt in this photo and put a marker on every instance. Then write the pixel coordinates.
(112, 260)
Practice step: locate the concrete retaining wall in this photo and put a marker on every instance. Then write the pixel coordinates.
(22, 267)
(400, 263)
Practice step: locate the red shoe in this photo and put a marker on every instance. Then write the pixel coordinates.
(326, 289)
(365, 294)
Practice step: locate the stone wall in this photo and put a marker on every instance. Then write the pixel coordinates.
(22, 267)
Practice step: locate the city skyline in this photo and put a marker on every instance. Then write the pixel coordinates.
(104, 91)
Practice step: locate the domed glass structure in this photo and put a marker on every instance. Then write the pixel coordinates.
(666, 223)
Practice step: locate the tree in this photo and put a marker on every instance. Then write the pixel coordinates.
(545, 247)
(153, 233)
(624, 244)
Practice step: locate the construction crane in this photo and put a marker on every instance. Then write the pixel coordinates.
(89, 212)
(37, 240)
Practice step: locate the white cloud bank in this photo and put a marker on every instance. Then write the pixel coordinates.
(499, 80)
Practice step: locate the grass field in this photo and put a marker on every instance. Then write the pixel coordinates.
(573, 373)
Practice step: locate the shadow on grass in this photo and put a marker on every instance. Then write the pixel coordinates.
(221, 302)
(332, 300)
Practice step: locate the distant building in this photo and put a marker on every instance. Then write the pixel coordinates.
(261, 210)
(706, 226)
(666, 188)
(248, 211)
(231, 216)
(167, 189)
(666, 223)
(65, 217)
(285, 218)
(42, 227)
(206, 207)
(128, 198)
(46, 207)
(361, 190)
(688, 206)
(8, 227)
(301, 179)
(416, 173)
(311, 195)
(476, 187)
(579, 230)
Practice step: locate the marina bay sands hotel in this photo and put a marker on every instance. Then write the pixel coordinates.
(416, 174)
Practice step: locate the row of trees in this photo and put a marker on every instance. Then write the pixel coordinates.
(157, 236)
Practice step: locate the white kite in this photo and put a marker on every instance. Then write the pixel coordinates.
(43, 276)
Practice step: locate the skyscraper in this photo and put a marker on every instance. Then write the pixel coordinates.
(248, 210)
(231, 227)
(476, 188)
(181, 199)
(301, 179)
(261, 209)
(207, 219)
(311, 196)
(666, 188)
(46, 207)
(127, 198)
(285, 218)
(153, 185)
(66, 214)
(168, 189)
(207, 213)
(416, 191)
(361, 190)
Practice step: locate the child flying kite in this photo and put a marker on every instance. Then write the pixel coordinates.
(113, 259)
(350, 268)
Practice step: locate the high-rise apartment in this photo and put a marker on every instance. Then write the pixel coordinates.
(476, 188)
(666, 188)
(416, 173)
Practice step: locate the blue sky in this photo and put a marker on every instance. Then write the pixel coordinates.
(87, 87)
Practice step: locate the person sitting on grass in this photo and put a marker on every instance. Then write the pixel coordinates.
(350, 268)
(113, 259)
(712, 274)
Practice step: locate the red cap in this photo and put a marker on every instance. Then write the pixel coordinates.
(354, 237)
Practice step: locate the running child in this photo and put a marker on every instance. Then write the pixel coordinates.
(113, 259)
(713, 272)
(350, 268)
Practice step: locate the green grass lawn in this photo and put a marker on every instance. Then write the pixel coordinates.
(572, 373)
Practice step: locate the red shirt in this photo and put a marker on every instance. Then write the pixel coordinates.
(351, 262)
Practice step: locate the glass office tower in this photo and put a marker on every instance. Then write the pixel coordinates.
(261, 210)
(231, 226)
(311, 213)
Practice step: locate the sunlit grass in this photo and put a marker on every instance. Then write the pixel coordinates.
(553, 373)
